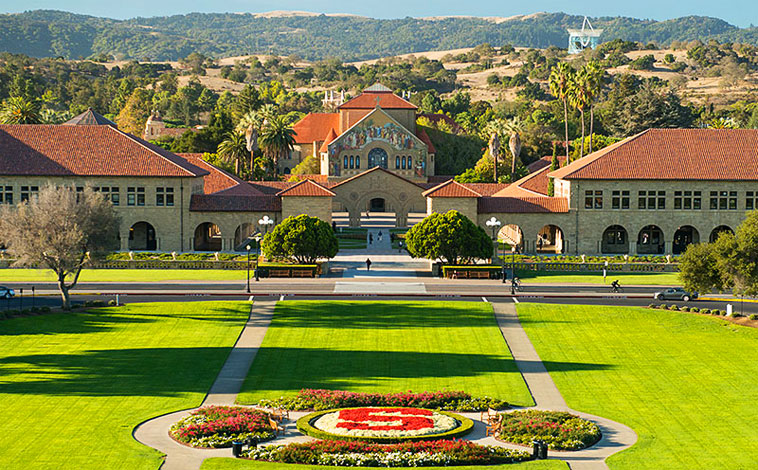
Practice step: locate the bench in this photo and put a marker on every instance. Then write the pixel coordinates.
(302, 273)
(279, 273)
(275, 427)
(479, 274)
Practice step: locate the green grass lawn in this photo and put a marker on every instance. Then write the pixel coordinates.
(125, 275)
(384, 347)
(237, 464)
(346, 242)
(625, 279)
(73, 386)
(687, 384)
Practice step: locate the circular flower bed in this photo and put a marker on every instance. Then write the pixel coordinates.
(560, 430)
(219, 426)
(406, 454)
(383, 424)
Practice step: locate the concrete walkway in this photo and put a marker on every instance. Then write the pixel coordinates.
(616, 436)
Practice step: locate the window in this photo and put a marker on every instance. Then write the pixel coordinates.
(723, 200)
(140, 196)
(357, 161)
(6, 194)
(687, 200)
(751, 200)
(115, 196)
(402, 161)
(593, 199)
(344, 163)
(28, 191)
(352, 162)
(135, 196)
(651, 200)
(397, 162)
(620, 200)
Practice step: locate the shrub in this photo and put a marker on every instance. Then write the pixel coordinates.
(685, 309)
(219, 426)
(560, 430)
(11, 312)
(112, 302)
(25, 311)
(406, 454)
(310, 399)
(44, 309)
(695, 309)
(735, 314)
(652, 306)
(674, 307)
(753, 316)
(707, 311)
(34, 310)
(664, 306)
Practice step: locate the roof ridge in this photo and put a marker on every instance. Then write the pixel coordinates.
(593, 157)
(376, 168)
(449, 182)
(142, 143)
(306, 181)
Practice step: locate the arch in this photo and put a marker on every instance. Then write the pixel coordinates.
(142, 237)
(550, 239)
(718, 231)
(377, 204)
(377, 157)
(684, 235)
(650, 241)
(286, 170)
(242, 236)
(207, 237)
(615, 241)
(512, 235)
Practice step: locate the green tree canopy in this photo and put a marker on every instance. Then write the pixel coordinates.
(303, 238)
(451, 237)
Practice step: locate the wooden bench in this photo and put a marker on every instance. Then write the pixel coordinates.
(279, 273)
(479, 274)
(493, 427)
(302, 273)
(275, 427)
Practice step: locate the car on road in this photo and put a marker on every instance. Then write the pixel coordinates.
(6, 292)
(675, 293)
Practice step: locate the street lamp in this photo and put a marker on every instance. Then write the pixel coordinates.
(248, 267)
(494, 223)
(257, 239)
(265, 221)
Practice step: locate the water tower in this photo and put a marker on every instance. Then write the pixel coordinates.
(581, 39)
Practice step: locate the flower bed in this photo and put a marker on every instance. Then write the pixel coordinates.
(383, 424)
(560, 430)
(218, 426)
(405, 454)
(309, 399)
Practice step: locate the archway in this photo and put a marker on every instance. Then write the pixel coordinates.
(615, 241)
(377, 157)
(718, 231)
(512, 236)
(242, 236)
(142, 237)
(550, 239)
(650, 241)
(684, 235)
(377, 204)
(208, 237)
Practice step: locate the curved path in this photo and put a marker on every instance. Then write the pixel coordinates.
(154, 432)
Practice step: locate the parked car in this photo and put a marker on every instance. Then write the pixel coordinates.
(6, 292)
(675, 293)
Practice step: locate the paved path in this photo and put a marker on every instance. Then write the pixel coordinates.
(616, 436)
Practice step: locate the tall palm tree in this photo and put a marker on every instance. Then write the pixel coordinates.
(234, 149)
(495, 129)
(560, 80)
(514, 127)
(580, 97)
(595, 75)
(277, 139)
(19, 110)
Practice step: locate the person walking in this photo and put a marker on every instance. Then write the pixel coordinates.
(368, 264)
(380, 235)
(370, 238)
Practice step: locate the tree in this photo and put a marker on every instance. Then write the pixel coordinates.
(495, 129)
(19, 110)
(698, 268)
(135, 112)
(560, 82)
(580, 98)
(554, 164)
(62, 229)
(450, 237)
(304, 238)
(234, 149)
(309, 166)
(248, 100)
(594, 74)
(277, 139)
(514, 127)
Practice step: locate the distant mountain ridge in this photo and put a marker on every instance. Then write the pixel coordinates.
(53, 33)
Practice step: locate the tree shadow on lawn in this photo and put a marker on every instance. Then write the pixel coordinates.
(385, 315)
(113, 372)
(296, 368)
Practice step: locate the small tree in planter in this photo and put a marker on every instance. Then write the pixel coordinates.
(303, 238)
(450, 237)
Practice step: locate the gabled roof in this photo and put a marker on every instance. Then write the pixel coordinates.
(314, 126)
(424, 137)
(522, 205)
(376, 168)
(378, 88)
(328, 140)
(86, 150)
(377, 95)
(234, 203)
(673, 154)
(219, 181)
(89, 118)
(306, 188)
(373, 112)
(450, 188)
(544, 162)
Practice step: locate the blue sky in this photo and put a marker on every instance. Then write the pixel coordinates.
(738, 12)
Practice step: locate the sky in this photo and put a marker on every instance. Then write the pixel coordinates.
(738, 12)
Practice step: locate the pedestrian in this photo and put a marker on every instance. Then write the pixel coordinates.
(370, 238)
(368, 264)
(380, 235)
(539, 244)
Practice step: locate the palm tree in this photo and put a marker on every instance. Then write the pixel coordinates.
(234, 148)
(19, 110)
(514, 127)
(277, 139)
(560, 80)
(595, 75)
(495, 129)
(580, 97)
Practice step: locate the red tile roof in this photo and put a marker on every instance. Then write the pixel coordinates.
(421, 134)
(372, 99)
(544, 162)
(486, 189)
(49, 150)
(450, 188)
(218, 180)
(328, 140)
(234, 203)
(437, 118)
(673, 154)
(535, 204)
(376, 168)
(306, 188)
(318, 178)
(314, 126)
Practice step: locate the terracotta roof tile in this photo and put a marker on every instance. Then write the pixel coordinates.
(306, 188)
(528, 205)
(49, 150)
(673, 154)
(421, 134)
(372, 99)
(318, 178)
(486, 189)
(219, 180)
(234, 203)
(314, 126)
(328, 140)
(376, 168)
(450, 188)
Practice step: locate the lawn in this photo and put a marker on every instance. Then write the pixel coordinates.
(125, 275)
(625, 279)
(687, 384)
(73, 386)
(384, 347)
(236, 464)
(350, 238)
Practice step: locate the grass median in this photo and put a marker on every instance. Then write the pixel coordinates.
(236, 464)
(74, 385)
(625, 279)
(687, 384)
(125, 275)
